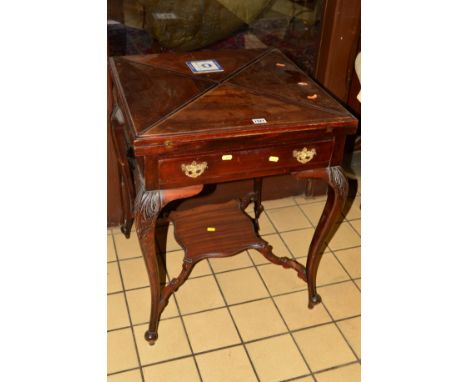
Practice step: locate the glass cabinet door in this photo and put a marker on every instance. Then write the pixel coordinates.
(153, 26)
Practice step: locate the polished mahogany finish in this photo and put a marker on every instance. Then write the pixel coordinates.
(177, 131)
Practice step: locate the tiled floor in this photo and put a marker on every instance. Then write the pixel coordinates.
(242, 318)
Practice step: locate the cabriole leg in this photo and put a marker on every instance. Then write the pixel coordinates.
(337, 193)
(148, 206)
(147, 209)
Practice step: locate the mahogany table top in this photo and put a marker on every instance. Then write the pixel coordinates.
(258, 91)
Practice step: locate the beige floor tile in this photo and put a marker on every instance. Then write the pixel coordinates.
(121, 353)
(358, 282)
(199, 294)
(240, 260)
(265, 225)
(258, 319)
(295, 311)
(181, 370)
(344, 237)
(357, 225)
(277, 203)
(351, 260)
(171, 343)
(301, 199)
(355, 210)
(127, 248)
(110, 249)
(174, 262)
(117, 315)
(313, 211)
(241, 285)
(279, 248)
(280, 280)
(227, 365)
(288, 218)
(211, 330)
(276, 359)
(323, 347)
(350, 373)
(171, 244)
(139, 304)
(330, 270)
(134, 273)
(342, 300)
(352, 331)
(257, 257)
(128, 376)
(298, 241)
(114, 284)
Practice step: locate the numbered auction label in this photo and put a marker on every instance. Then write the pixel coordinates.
(164, 16)
(259, 121)
(204, 66)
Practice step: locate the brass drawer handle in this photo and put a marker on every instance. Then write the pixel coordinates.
(304, 155)
(194, 169)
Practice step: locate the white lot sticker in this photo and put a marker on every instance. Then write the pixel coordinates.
(259, 121)
(204, 66)
(164, 16)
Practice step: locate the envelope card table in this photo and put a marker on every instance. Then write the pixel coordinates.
(184, 120)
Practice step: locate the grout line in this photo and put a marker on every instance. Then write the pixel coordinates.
(263, 235)
(344, 220)
(352, 226)
(234, 321)
(292, 331)
(231, 346)
(284, 321)
(350, 277)
(186, 334)
(187, 356)
(337, 367)
(249, 341)
(129, 316)
(123, 371)
(247, 301)
(294, 229)
(178, 358)
(355, 283)
(242, 342)
(278, 233)
(342, 334)
(331, 316)
(238, 303)
(344, 249)
(297, 378)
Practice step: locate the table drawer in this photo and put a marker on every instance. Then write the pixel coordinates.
(243, 164)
